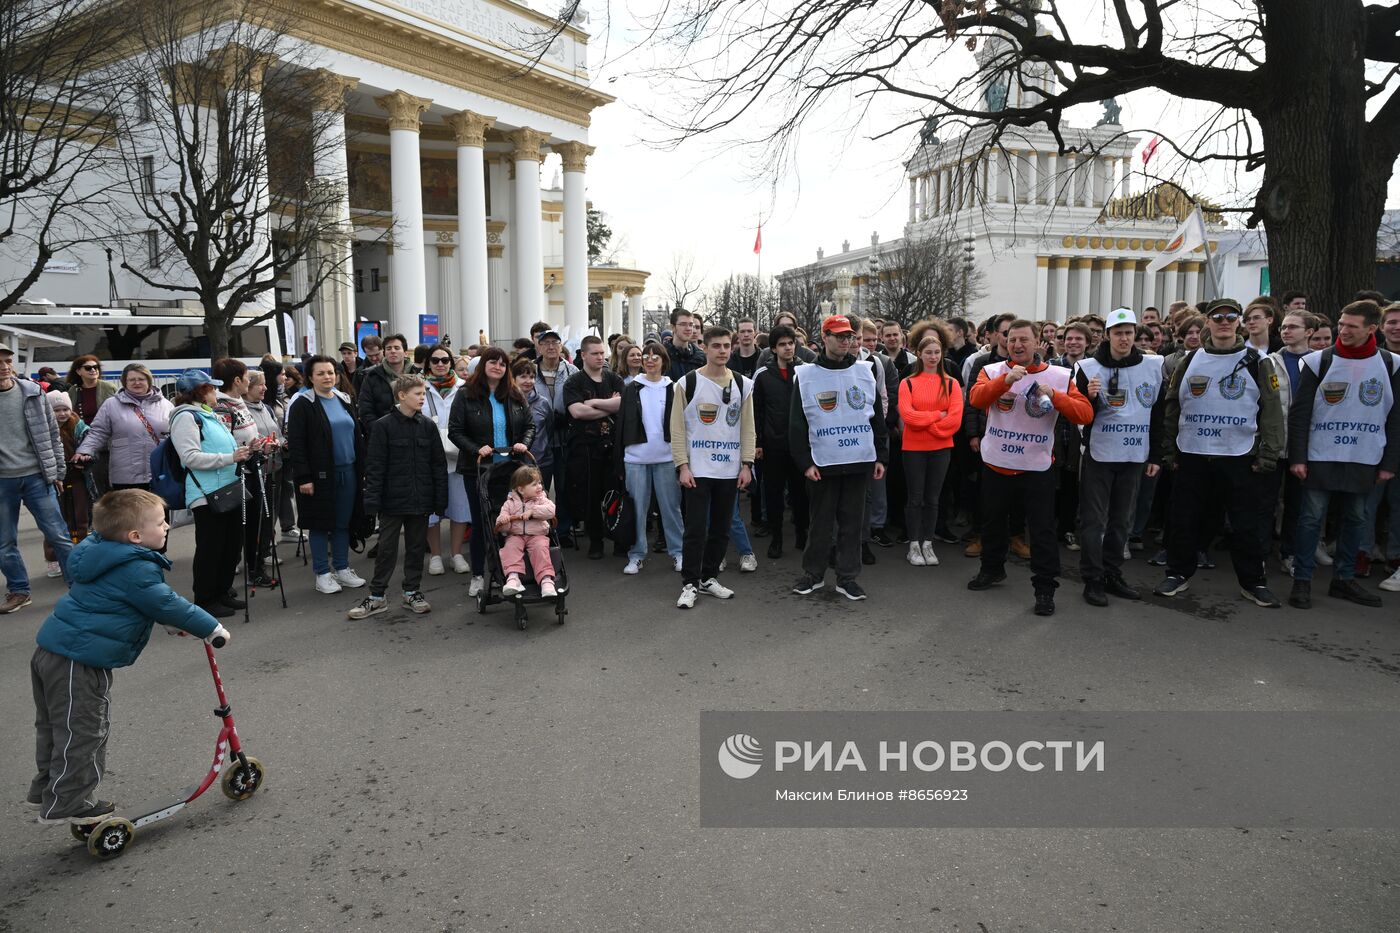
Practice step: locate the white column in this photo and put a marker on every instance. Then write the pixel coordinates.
(1106, 304)
(1084, 271)
(1193, 282)
(472, 315)
(334, 307)
(1032, 176)
(1061, 269)
(635, 326)
(495, 281)
(1042, 286)
(1128, 297)
(993, 177)
(450, 315)
(1169, 289)
(1050, 185)
(575, 156)
(913, 199)
(301, 317)
(528, 263)
(408, 275)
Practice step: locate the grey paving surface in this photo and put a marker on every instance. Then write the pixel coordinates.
(448, 772)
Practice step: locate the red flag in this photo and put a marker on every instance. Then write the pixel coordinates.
(1149, 150)
(758, 240)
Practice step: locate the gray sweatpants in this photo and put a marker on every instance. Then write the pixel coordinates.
(72, 716)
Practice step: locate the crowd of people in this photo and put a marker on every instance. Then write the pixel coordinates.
(1266, 427)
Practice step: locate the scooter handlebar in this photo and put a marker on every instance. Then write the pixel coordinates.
(218, 641)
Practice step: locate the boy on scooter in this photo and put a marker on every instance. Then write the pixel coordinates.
(102, 622)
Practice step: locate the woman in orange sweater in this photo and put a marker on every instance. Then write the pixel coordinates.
(930, 406)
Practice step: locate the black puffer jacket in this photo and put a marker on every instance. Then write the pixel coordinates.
(405, 467)
(471, 426)
(772, 407)
(376, 395)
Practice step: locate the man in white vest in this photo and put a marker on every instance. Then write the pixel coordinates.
(1023, 397)
(1222, 431)
(1344, 438)
(838, 437)
(1125, 388)
(712, 445)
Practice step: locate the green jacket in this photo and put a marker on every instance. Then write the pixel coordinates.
(1269, 439)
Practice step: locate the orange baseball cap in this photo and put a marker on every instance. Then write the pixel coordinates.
(836, 324)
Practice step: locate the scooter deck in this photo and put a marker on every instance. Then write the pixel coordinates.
(158, 809)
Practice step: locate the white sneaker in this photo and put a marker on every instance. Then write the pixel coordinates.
(1391, 584)
(1287, 565)
(547, 589)
(370, 605)
(53, 570)
(1127, 553)
(930, 558)
(634, 566)
(723, 562)
(679, 561)
(327, 583)
(748, 563)
(477, 585)
(1321, 556)
(350, 578)
(460, 565)
(513, 586)
(687, 597)
(916, 555)
(715, 588)
(435, 567)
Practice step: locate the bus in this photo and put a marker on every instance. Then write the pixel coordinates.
(168, 343)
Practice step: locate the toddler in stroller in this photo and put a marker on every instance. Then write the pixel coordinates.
(524, 520)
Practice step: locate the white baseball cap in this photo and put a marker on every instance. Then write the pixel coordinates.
(1120, 316)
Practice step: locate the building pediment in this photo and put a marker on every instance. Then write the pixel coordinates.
(1162, 202)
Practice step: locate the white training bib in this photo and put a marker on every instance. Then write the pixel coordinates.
(1020, 430)
(1350, 409)
(839, 404)
(1119, 431)
(1219, 406)
(712, 429)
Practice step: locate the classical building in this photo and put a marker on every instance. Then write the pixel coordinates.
(443, 136)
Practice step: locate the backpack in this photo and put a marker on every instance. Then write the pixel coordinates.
(619, 517)
(690, 381)
(168, 473)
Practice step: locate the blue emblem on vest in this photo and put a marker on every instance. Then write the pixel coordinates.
(1146, 394)
(731, 414)
(1371, 392)
(1232, 386)
(855, 398)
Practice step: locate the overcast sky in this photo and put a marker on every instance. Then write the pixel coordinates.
(704, 199)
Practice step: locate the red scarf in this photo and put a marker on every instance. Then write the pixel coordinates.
(1367, 349)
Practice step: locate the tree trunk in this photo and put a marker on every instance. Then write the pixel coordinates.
(1322, 197)
(217, 327)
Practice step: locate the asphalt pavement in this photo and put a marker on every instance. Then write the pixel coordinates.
(449, 772)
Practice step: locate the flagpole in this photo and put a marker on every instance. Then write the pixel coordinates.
(1212, 275)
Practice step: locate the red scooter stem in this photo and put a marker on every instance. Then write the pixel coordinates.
(228, 734)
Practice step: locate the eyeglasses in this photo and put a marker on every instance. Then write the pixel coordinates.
(1225, 317)
(1292, 327)
(440, 359)
(91, 367)
(842, 338)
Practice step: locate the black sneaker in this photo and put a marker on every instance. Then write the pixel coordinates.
(595, 552)
(658, 546)
(1301, 595)
(1171, 585)
(806, 584)
(93, 814)
(985, 580)
(867, 556)
(1159, 559)
(946, 536)
(1094, 593)
(262, 581)
(233, 602)
(881, 537)
(1260, 596)
(799, 540)
(761, 530)
(1352, 591)
(1045, 603)
(1135, 542)
(1204, 561)
(217, 610)
(775, 549)
(566, 540)
(1117, 586)
(850, 589)
(901, 537)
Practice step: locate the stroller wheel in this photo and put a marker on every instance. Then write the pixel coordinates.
(522, 618)
(560, 611)
(481, 600)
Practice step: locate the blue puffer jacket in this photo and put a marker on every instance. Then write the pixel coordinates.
(119, 592)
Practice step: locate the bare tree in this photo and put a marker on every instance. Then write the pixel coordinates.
(742, 296)
(927, 278)
(801, 292)
(1302, 89)
(681, 280)
(56, 128)
(229, 214)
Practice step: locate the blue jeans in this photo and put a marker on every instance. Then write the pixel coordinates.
(40, 498)
(1350, 529)
(738, 533)
(1390, 492)
(338, 541)
(644, 479)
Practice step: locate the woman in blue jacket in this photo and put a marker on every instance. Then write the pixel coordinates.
(210, 456)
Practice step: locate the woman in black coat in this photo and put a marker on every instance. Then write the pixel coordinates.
(326, 457)
(488, 413)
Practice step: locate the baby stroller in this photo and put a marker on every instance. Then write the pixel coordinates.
(493, 485)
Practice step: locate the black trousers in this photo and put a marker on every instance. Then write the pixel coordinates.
(587, 478)
(1107, 507)
(838, 512)
(709, 510)
(218, 539)
(257, 531)
(1033, 494)
(1240, 490)
(925, 471)
(415, 535)
(781, 477)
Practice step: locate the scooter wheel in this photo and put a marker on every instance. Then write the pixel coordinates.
(81, 832)
(242, 781)
(110, 838)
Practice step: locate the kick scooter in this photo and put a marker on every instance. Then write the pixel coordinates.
(241, 779)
